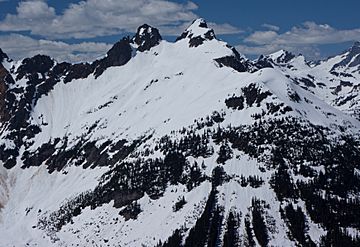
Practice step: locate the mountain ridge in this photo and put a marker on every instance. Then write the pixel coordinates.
(179, 144)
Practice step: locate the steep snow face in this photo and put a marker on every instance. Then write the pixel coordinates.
(153, 92)
(174, 79)
(186, 140)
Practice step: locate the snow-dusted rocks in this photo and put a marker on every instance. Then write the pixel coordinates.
(282, 57)
(146, 37)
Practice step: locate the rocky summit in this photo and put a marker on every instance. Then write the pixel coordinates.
(186, 143)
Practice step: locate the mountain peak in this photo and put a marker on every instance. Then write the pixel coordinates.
(356, 44)
(282, 56)
(355, 49)
(233, 151)
(198, 23)
(3, 56)
(146, 37)
(197, 33)
(351, 59)
(198, 28)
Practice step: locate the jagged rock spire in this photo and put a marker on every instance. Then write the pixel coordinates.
(3, 56)
(146, 37)
(118, 55)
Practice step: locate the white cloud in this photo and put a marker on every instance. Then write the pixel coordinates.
(303, 39)
(311, 52)
(271, 27)
(308, 33)
(94, 18)
(18, 46)
(89, 19)
(262, 37)
(224, 28)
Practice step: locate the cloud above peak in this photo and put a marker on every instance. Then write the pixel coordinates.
(307, 33)
(96, 18)
(61, 51)
(305, 38)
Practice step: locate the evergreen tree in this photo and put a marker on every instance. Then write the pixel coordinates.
(231, 237)
(258, 222)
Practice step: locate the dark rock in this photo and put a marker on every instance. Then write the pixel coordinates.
(356, 62)
(232, 62)
(253, 95)
(4, 111)
(146, 37)
(235, 61)
(346, 83)
(352, 59)
(294, 96)
(210, 35)
(236, 103)
(345, 99)
(263, 62)
(202, 24)
(32, 66)
(307, 82)
(273, 108)
(285, 57)
(78, 71)
(196, 39)
(182, 36)
(131, 211)
(118, 55)
(3, 56)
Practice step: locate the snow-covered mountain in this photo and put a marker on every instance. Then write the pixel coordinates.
(184, 143)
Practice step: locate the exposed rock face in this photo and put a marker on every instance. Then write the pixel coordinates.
(32, 67)
(118, 55)
(78, 71)
(4, 114)
(352, 58)
(5, 80)
(263, 62)
(284, 57)
(197, 33)
(236, 61)
(146, 37)
(3, 56)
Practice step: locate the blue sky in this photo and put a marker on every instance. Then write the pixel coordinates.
(76, 31)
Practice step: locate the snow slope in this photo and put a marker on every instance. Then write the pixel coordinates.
(161, 94)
